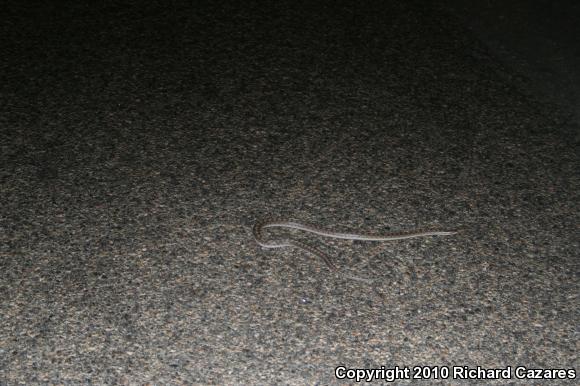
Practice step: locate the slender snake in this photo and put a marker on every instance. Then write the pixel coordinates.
(260, 225)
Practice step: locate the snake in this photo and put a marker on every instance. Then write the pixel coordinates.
(259, 226)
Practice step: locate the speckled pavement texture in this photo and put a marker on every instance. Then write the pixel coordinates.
(139, 144)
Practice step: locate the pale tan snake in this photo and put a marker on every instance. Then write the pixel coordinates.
(260, 225)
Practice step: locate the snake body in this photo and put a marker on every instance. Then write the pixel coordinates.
(260, 225)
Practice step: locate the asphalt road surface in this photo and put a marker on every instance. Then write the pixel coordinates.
(141, 142)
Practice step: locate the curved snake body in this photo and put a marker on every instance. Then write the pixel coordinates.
(259, 226)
